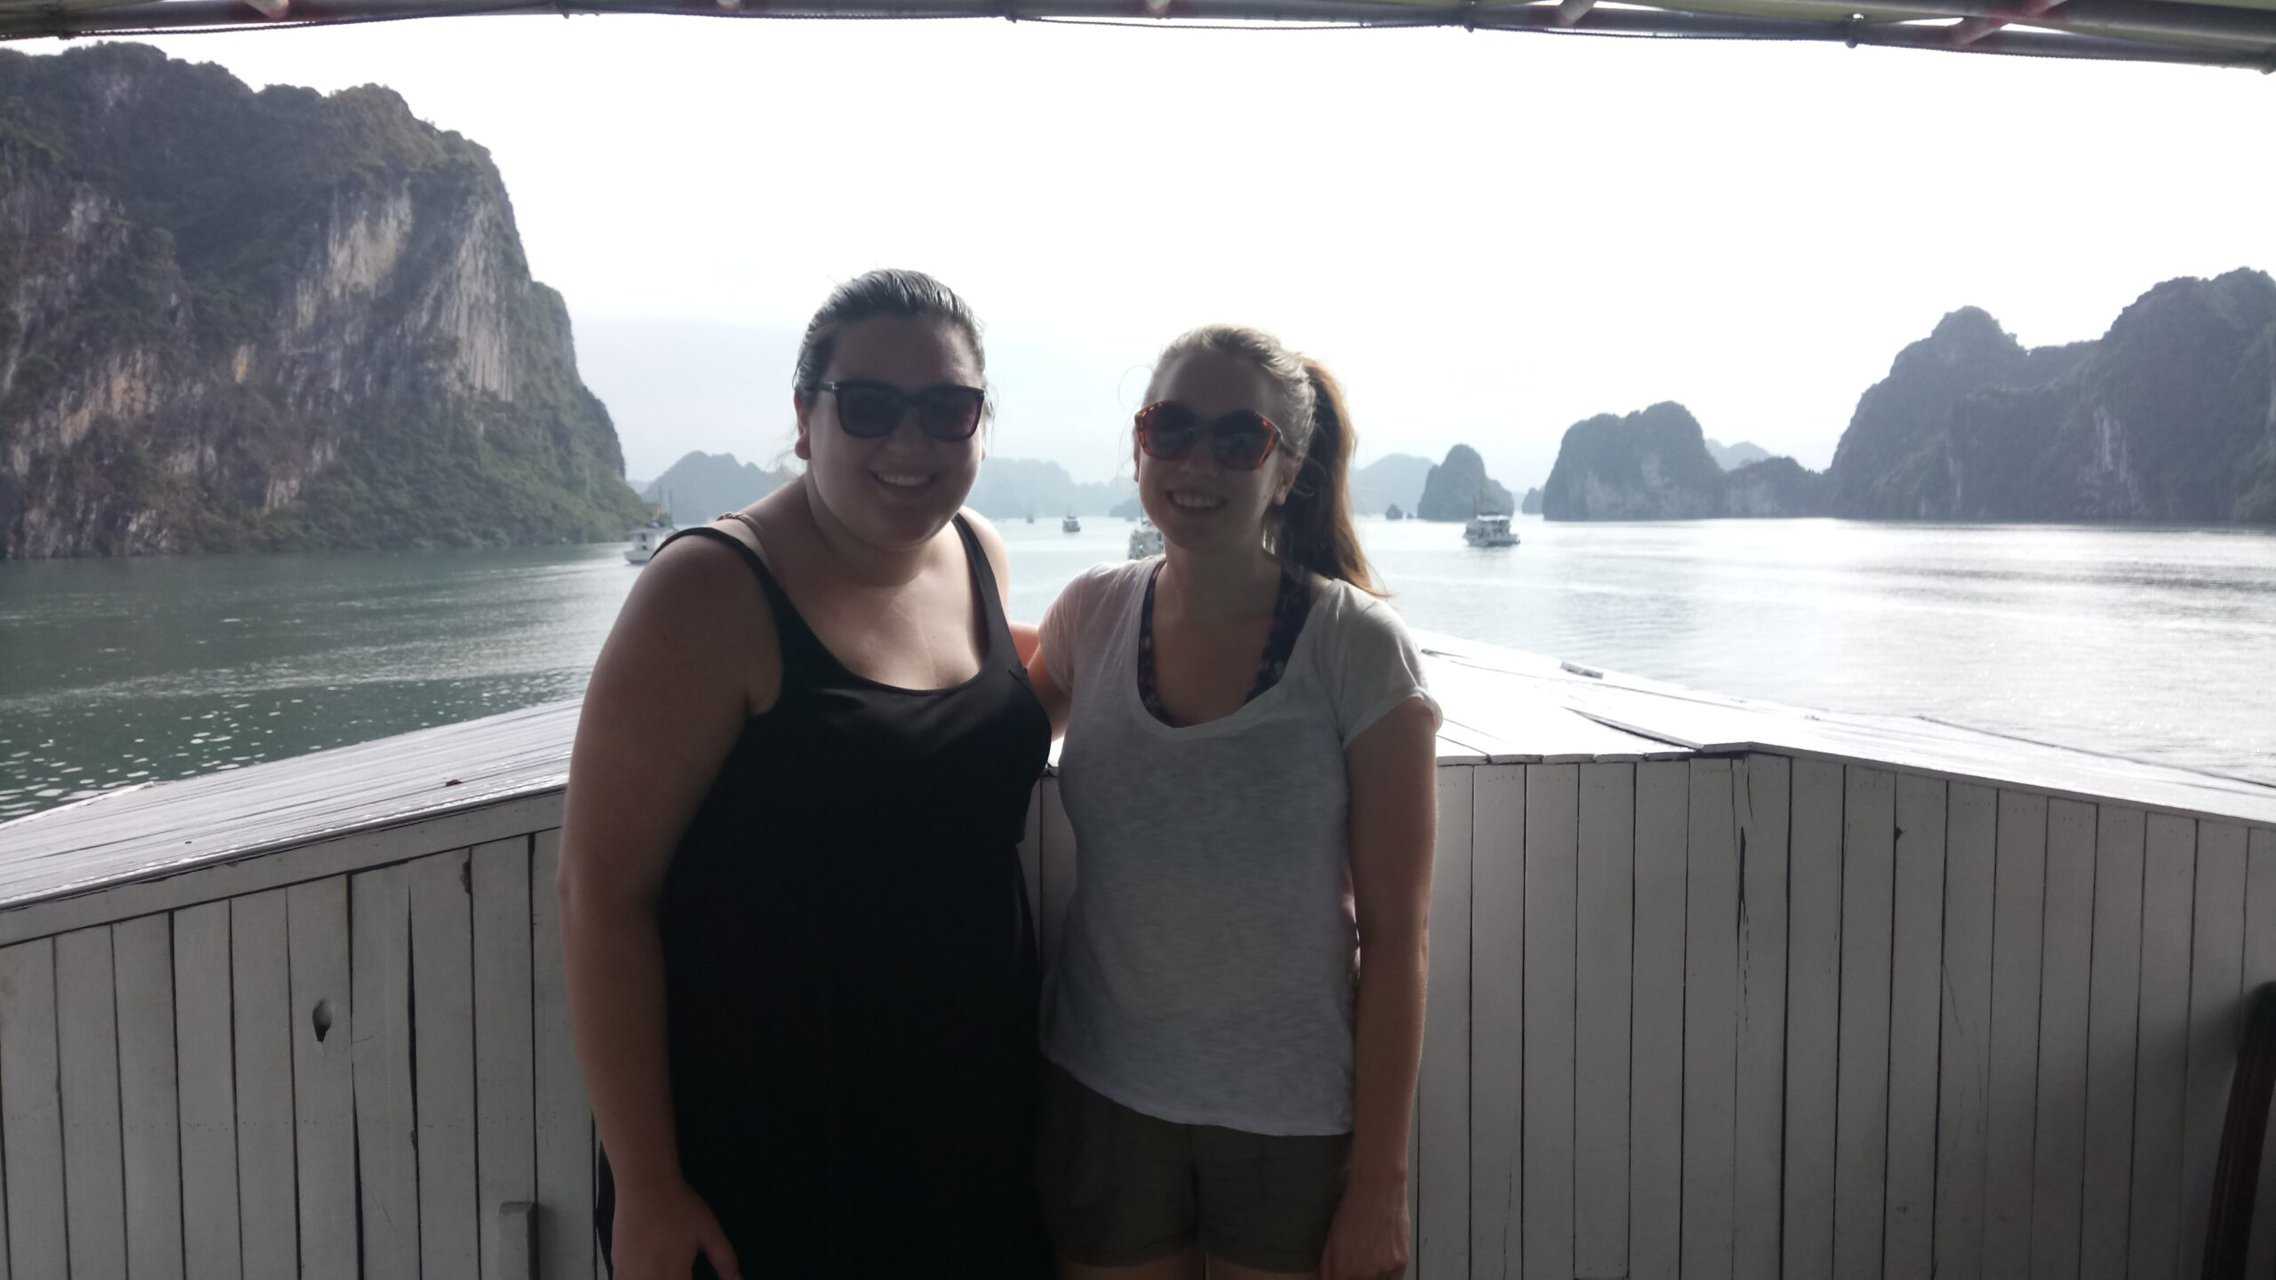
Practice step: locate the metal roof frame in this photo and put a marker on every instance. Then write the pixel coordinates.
(2230, 33)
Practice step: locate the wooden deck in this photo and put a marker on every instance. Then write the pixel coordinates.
(1718, 989)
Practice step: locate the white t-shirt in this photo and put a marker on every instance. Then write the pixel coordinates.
(1206, 973)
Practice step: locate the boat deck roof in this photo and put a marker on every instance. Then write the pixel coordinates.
(1501, 706)
(2239, 33)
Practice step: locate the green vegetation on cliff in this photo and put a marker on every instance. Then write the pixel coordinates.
(232, 319)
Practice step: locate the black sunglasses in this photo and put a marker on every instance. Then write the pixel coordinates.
(1241, 440)
(872, 410)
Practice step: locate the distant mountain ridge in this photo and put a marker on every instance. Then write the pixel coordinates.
(1730, 457)
(2170, 416)
(702, 485)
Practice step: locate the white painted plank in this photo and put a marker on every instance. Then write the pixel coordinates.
(1915, 1002)
(1497, 1029)
(2115, 991)
(2161, 1063)
(1606, 905)
(1552, 886)
(1861, 1144)
(2259, 968)
(1655, 1129)
(31, 1111)
(1057, 869)
(87, 1034)
(564, 1120)
(2018, 898)
(2059, 1149)
(149, 1117)
(442, 974)
(1964, 1045)
(1813, 1018)
(234, 872)
(2216, 973)
(386, 1155)
(259, 976)
(505, 1079)
(1761, 793)
(1710, 1023)
(1442, 1245)
(203, 1040)
(323, 1075)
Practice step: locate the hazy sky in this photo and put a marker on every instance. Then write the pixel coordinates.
(1488, 236)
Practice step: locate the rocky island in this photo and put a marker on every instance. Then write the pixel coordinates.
(2170, 416)
(238, 320)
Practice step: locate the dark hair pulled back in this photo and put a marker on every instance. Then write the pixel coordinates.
(888, 291)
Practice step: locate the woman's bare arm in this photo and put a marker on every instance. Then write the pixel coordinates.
(1394, 822)
(667, 700)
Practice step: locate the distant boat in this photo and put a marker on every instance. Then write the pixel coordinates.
(1489, 531)
(1393, 513)
(650, 536)
(1145, 540)
(1031, 517)
(1070, 524)
(646, 539)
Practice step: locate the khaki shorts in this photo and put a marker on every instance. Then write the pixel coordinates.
(1121, 1187)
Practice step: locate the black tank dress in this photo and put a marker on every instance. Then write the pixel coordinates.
(850, 970)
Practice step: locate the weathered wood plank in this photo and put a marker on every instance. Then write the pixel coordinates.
(149, 1116)
(2260, 967)
(504, 1074)
(1760, 791)
(2067, 959)
(564, 1121)
(2115, 990)
(203, 1015)
(1497, 1026)
(87, 1035)
(1606, 895)
(1655, 1126)
(1813, 1018)
(2018, 897)
(1868, 887)
(1552, 887)
(1964, 1047)
(259, 976)
(442, 973)
(246, 871)
(2161, 1064)
(31, 1111)
(386, 1152)
(1710, 1022)
(1915, 999)
(1442, 1246)
(2216, 973)
(323, 1075)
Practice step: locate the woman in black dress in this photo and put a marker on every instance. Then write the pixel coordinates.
(801, 971)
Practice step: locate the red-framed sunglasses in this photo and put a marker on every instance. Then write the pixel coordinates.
(1241, 440)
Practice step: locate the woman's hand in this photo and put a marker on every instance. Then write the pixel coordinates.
(1371, 1237)
(659, 1233)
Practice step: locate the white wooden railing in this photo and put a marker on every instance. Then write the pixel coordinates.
(1720, 1016)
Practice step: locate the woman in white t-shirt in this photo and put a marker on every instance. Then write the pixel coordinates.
(1250, 773)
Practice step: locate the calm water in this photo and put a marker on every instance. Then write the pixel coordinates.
(2159, 644)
